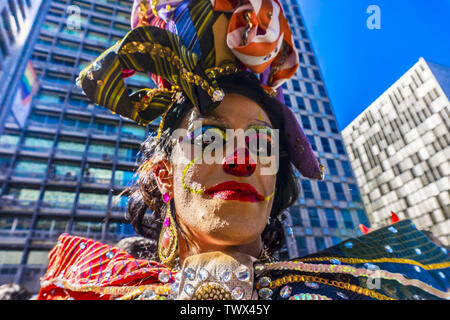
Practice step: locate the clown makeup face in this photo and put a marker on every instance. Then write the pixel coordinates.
(223, 204)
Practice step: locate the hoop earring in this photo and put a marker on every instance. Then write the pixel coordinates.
(168, 240)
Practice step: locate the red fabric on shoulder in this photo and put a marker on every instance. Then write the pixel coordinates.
(85, 269)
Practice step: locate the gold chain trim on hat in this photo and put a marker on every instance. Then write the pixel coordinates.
(342, 285)
(146, 100)
(167, 54)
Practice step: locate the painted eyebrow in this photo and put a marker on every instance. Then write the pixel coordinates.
(224, 125)
(259, 123)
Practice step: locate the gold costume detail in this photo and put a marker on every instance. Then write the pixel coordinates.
(342, 285)
(382, 260)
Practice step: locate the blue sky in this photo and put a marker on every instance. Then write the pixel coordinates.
(359, 64)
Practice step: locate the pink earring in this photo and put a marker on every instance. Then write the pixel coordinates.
(166, 197)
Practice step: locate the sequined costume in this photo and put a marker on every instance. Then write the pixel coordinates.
(185, 46)
(395, 262)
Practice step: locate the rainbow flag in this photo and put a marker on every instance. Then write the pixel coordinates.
(28, 84)
(28, 87)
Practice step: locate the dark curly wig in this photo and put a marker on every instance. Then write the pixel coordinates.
(146, 209)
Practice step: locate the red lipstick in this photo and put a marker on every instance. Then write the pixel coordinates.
(232, 190)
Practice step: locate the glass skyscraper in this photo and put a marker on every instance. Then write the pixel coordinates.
(63, 169)
(328, 211)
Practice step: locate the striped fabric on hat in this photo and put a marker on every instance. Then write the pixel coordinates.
(258, 33)
(269, 38)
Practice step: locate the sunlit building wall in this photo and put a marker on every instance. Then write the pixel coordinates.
(400, 150)
(63, 170)
(16, 22)
(328, 211)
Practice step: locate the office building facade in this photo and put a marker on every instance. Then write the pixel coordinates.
(63, 169)
(328, 211)
(16, 21)
(399, 149)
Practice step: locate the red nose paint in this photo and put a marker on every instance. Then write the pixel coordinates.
(245, 168)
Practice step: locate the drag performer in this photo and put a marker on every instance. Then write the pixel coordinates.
(218, 66)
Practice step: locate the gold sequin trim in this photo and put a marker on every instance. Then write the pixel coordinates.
(211, 291)
(342, 285)
(381, 260)
(166, 53)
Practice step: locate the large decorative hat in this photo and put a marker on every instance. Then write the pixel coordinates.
(185, 46)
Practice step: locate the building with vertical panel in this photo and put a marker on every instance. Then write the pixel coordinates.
(400, 150)
(16, 21)
(328, 211)
(63, 169)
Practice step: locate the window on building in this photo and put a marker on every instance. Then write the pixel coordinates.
(300, 102)
(317, 75)
(124, 177)
(24, 196)
(50, 26)
(347, 169)
(92, 201)
(309, 88)
(348, 221)
(9, 140)
(362, 217)
(306, 124)
(100, 150)
(340, 195)
(304, 72)
(331, 218)
(296, 86)
(323, 189)
(319, 124)
(339, 146)
(335, 240)
(307, 189)
(102, 127)
(332, 168)
(301, 245)
(325, 144)
(30, 168)
(133, 131)
(314, 106)
(58, 199)
(38, 143)
(320, 243)
(333, 126)
(71, 147)
(313, 217)
(287, 100)
(312, 141)
(98, 175)
(327, 107)
(296, 216)
(354, 192)
(75, 123)
(128, 153)
(97, 36)
(46, 97)
(322, 91)
(44, 120)
(64, 171)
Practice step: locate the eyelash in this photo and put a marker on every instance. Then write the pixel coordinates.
(198, 138)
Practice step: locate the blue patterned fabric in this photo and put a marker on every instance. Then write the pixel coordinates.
(405, 265)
